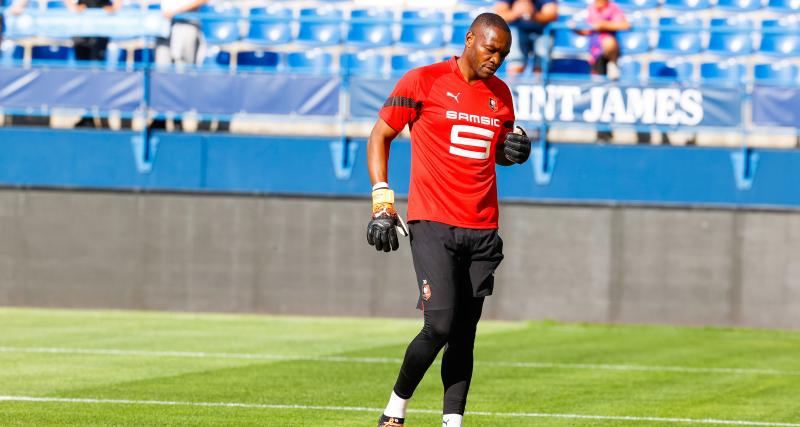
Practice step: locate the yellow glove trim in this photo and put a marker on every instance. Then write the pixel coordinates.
(382, 195)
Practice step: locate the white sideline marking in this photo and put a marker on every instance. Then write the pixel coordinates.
(385, 360)
(377, 410)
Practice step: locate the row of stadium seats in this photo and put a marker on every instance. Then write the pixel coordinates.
(687, 35)
(326, 26)
(711, 6)
(682, 70)
(371, 63)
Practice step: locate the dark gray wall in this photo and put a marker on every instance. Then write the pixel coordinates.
(309, 256)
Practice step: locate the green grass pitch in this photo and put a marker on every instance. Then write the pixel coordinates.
(119, 368)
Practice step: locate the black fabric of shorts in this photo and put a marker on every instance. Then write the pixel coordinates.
(453, 263)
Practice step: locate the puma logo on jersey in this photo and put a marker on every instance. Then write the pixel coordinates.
(450, 94)
(473, 118)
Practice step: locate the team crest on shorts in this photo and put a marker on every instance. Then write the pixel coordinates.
(426, 290)
(492, 104)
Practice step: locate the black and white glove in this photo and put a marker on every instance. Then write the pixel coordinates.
(385, 223)
(517, 146)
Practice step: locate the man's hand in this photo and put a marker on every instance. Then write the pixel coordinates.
(517, 146)
(385, 223)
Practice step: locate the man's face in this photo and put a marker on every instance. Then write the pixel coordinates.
(486, 50)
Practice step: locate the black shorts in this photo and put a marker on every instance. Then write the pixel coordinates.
(453, 263)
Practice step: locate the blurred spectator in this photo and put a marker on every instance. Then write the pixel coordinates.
(17, 7)
(527, 19)
(604, 18)
(91, 48)
(183, 45)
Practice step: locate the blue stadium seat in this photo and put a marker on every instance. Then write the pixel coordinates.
(687, 5)
(422, 29)
(568, 42)
(257, 59)
(365, 64)
(780, 38)
(314, 61)
(154, 6)
(575, 4)
(138, 55)
(10, 52)
(52, 53)
(55, 4)
(270, 26)
(637, 5)
(776, 73)
(633, 42)
(630, 70)
(722, 72)
(677, 70)
(783, 6)
(461, 23)
(682, 38)
(224, 28)
(370, 28)
(217, 60)
(730, 37)
(570, 66)
(403, 63)
(320, 26)
(738, 6)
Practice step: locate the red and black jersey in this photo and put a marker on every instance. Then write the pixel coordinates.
(455, 128)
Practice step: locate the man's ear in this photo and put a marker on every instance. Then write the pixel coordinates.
(470, 39)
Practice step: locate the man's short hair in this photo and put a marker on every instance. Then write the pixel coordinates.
(488, 19)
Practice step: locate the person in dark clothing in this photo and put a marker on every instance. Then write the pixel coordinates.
(91, 48)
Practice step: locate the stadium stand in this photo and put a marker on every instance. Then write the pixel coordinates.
(703, 42)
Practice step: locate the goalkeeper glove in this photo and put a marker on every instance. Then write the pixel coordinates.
(517, 146)
(385, 223)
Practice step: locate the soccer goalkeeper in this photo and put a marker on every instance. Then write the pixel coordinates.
(461, 118)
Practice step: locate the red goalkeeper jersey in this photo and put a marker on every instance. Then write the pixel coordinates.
(455, 128)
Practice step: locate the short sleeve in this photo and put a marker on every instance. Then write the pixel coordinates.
(617, 15)
(404, 104)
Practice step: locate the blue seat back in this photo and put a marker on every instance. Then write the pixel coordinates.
(636, 5)
(403, 63)
(680, 35)
(671, 70)
(224, 27)
(366, 63)
(52, 53)
(258, 59)
(270, 25)
(422, 29)
(722, 72)
(370, 27)
(739, 6)
(780, 38)
(314, 61)
(572, 66)
(687, 5)
(320, 26)
(461, 22)
(629, 70)
(777, 72)
(730, 37)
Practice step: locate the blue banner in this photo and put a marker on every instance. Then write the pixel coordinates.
(776, 106)
(213, 93)
(591, 102)
(62, 23)
(46, 88)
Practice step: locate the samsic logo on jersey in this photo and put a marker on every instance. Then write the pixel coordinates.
(473, 118)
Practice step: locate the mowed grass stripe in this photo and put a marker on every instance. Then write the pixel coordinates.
(393, 361)
(523, 368)
(377, 410)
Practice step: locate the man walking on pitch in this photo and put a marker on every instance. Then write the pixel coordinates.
(460, 116)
